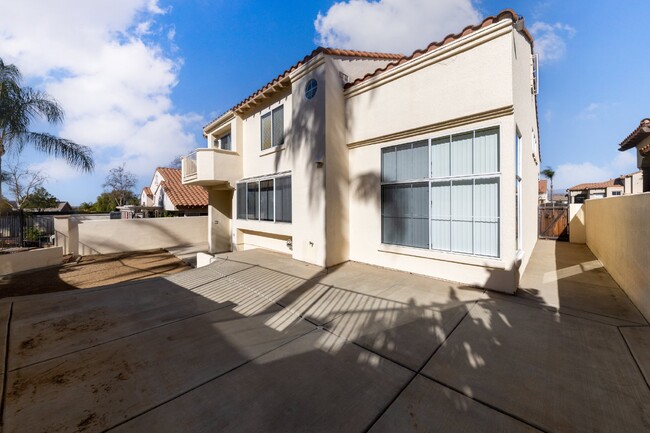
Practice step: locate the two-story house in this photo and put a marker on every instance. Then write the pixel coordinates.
(426, 163)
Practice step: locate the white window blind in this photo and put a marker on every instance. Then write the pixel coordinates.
(460, 199)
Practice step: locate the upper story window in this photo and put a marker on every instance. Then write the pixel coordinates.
(273, 128)
(223, 142)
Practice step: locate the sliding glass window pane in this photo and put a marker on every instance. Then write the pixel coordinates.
(393, 213)
(461, 154)
(412, 161)
(461, 216)
(440, 157)
(486, 217)
(266, 200)
(278, 126)
(226, 142)
(486, 151)
(241, 201)
(418, 226)
(440, 215)
(267, 138)
(253, 200)
(388, 164)
(283, 199)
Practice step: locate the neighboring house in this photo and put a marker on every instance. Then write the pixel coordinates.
(168, 194)
(542, 191)
(639, 139)
(560, 199)
(586, 191)
(401, 162)
(633, 183)
(61, 206)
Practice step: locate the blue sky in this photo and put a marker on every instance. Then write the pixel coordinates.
(139, 78)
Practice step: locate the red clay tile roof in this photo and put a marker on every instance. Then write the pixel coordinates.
(542, 186)
(182, 196)
(505, 14)
(307, 58)
(612, 182)
(147, 191)
(640, 133)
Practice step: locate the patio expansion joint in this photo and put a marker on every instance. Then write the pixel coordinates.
(205, 382)
(162, 325)
(629, 349)
(419, 370)
(4, 375)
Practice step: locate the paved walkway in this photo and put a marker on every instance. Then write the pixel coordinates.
(259, 342)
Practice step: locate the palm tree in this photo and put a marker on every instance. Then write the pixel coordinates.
(19, 106)
(549, 173)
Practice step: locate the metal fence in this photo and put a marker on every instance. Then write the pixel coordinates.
(38, 230)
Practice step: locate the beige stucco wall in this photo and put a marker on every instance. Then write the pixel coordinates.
(29, 260)
(618, 233)
(492, 75)
(102, 237)
(525, 117)
(577, 230)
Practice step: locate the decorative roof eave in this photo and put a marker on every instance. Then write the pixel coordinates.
(282, 81)
(505, 14)
(637, 136)
(225, 117)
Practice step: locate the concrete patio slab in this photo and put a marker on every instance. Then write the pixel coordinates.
(569, 276)
(426, 406)
(206, 274)
(638, 339)
(404, 333)
(558, 372)
(301, 386)
(370, 280)
(53, 326)
(275, 261)
(102, 386)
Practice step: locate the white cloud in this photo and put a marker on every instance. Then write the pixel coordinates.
(591, 111)
(399, 26)
(570, 174)
(98, 59)
(550, 40)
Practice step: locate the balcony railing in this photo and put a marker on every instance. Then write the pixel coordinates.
(212, 167)
(189, 166)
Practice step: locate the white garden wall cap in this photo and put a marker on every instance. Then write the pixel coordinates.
(282, 80)
(503, 15)
(637, 136)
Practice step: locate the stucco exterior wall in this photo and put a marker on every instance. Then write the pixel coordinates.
(525, 117)
(103, 237)
(460, 82)
(618, 233)
(577, 221)
(29, 260)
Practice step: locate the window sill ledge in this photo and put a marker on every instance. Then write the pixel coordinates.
(487, 262)
(273, 150)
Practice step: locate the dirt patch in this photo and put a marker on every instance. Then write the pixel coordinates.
(93, 271)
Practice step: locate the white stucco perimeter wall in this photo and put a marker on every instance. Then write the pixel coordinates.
(617, 233)
(103, 237)
(28, 260)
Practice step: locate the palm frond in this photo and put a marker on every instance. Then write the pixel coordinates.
(74, 154)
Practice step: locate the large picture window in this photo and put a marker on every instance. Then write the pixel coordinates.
(265, 199)
(443, 194)
(273, 128)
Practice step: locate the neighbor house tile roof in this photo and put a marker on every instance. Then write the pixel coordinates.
(147, 191)
(542, 186)
(505, 14)
(598, 185)
(638, 135)
(182, 196)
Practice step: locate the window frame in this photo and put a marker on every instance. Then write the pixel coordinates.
(270, 115)
(430, 180)
(244, 215)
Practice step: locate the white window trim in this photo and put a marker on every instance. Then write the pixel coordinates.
(258, 180)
